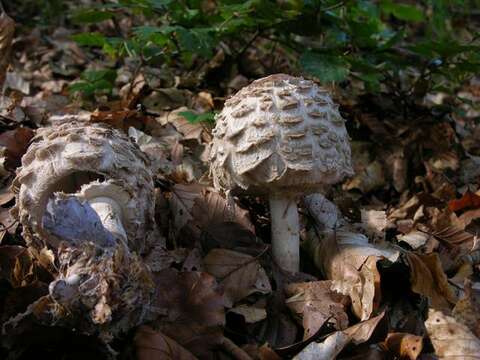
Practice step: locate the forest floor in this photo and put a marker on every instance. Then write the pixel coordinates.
(389, 260)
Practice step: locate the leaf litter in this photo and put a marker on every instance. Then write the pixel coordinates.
(401, 238)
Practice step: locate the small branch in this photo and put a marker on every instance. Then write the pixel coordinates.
(233, 349)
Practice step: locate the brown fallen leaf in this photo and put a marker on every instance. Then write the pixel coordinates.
(315, 302)
(181, 200)
(151, 345)
(7, 31)
(467, 309)
(194, 313)
(240, 275)
(427, 278)
(222, 224)
(16, 264)
(451, 339)
(469, 200)
(198, 131)
(16, 143)
(121, 119)
(404, 346)
(368, 179)
(350, 260)
(336, 342)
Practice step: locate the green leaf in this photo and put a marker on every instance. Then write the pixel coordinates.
(403, 11)
(93, 39)
(192, 117)
(325, 67)
(93, 81)
(91, 16)
(197, 41)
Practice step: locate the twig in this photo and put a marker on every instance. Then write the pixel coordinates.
(234, 350)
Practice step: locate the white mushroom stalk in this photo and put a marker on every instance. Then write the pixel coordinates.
(283, 137)
(285, 232)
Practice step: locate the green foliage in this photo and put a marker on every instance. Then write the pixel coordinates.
(389, 46)
(193, 118)
(94, 82)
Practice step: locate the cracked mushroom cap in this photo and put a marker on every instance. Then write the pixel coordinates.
(88, 160)
(280, 133)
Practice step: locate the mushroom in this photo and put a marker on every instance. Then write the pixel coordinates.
(280, 136)
(86, 191)
(94, 165)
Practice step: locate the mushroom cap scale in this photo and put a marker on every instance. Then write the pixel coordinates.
(280, 134)
(66, 158)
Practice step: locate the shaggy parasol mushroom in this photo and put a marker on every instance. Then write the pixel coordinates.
(281, 136)
(85, 191)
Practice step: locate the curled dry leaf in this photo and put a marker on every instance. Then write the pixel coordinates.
(451, 339)
(314, 303)
(404, 346)
(349, 260)
(7, 31)
(152, 345)
(241, 275)
(336, 342)
(427, 278)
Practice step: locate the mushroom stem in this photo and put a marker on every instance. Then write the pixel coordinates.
(285, 232)
(110, 215)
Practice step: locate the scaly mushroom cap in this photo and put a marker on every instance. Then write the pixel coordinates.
(73, 158)
(280, 133)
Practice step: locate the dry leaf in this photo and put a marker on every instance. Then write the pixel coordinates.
(404, 346)
(335, 343)
(222, 224)
(314, 303)
(7, 31)
(350, 260)
(374, 222)
(194, 308)
(190, 131)
(153, 345)
(15, 264)
(370, 178)
(181, 203)
(467, 309)
(416, 239)
(428, 279)
(251, 314)
(469, 200)
(241, 275)
(451, 340)
(16, 142)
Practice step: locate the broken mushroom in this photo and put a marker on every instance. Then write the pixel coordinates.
(87, 170)
(86, 192)
(280, 136)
